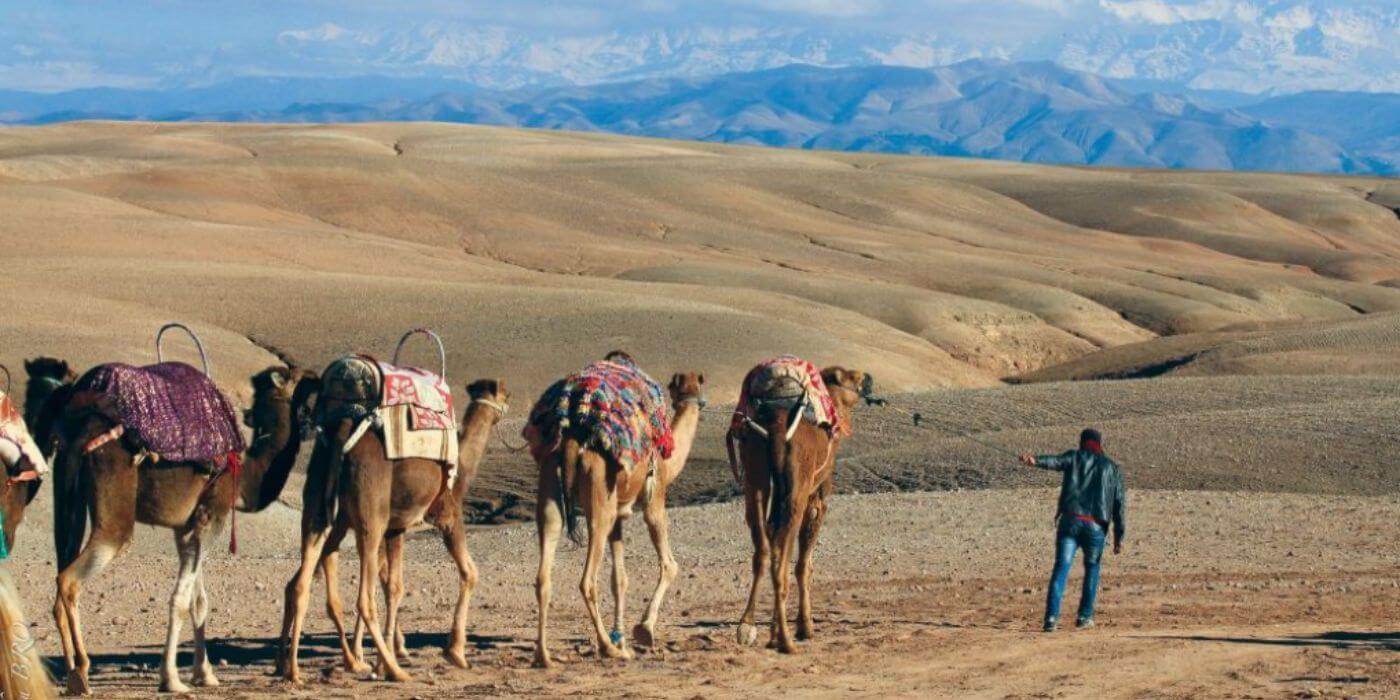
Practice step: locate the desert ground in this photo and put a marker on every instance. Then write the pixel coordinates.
(1235, 335)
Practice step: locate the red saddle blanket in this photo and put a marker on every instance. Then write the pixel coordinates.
(174, 409)
(787, 378)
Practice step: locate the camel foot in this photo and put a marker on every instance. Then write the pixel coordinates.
(644, 636)
(542, 659)
(173, 685)
(77, 684)
(292, 675)
(785, 646)
(205, 678)
(804, 631)
(455, 657)
(357, 666)
(393, 674)
(608, 650)
(748, 634)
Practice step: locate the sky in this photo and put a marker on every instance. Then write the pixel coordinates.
(48, 45)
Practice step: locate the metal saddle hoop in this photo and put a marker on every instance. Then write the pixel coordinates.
(442, 351)
(160, 335)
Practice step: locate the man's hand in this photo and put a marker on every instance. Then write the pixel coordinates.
(1117, 547)
(1028, 459)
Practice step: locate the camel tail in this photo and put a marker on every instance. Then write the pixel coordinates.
(70, 509)
(779, 471)
(570, 459)
(22, 672)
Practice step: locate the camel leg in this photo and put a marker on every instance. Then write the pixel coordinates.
(783, 542)
(619, 588)
(658, 525)
(756, 515)
(102, 547)
(549, 520)
(298, 596)
(392, 583)
(368, 541)
(330, 568)
(600, 505)
(807, 543)
(455, 537)
(199, 613)
(187, 545)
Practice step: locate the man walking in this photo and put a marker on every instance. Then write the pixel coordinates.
(1091, 496)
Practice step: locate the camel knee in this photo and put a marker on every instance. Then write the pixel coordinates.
(669, 569)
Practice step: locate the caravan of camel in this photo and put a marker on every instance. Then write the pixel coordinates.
(161, 445)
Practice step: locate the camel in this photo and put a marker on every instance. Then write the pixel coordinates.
(379, 500)
(786, 486)
(109, 486)
(571, 471)
(46, 374)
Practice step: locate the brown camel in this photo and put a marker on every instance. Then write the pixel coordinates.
(607, 495)
(379, 499)
(786, 485)
(108, 486)
(46, 374)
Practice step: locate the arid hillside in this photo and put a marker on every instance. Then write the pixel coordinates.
(534, 251)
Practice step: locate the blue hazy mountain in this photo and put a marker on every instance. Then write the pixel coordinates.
(1035, 112)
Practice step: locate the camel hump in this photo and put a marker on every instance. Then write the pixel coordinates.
(786, 381)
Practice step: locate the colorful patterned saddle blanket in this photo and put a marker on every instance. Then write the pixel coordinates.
(411, 407)
(175, 410)
(16, 445)
(785, 380)
(619, 409)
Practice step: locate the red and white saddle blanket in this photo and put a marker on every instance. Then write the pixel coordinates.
(17, 448)
(427, 395)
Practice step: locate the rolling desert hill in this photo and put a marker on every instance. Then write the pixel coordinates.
(1234, 335)
(533, 252)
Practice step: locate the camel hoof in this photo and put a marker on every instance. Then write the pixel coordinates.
(542, 660)
(748, 635)
(173, 685)
(455, 657)
(77, 686)
(357, 667)
(610, 651)
(644, 637)
(804, 633)
(787, 647)
(207, 679)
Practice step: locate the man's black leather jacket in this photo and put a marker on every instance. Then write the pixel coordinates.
(1092, 486)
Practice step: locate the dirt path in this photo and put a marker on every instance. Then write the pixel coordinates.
(1220, 594)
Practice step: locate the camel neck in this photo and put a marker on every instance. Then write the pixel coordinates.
(683, 426)
(268, 462)
(471, 445)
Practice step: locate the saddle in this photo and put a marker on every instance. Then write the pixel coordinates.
(18, 453)
(170, 409)
(788, 382)
(410, 407)
(615, 405)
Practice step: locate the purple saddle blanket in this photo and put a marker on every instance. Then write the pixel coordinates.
(175, 409)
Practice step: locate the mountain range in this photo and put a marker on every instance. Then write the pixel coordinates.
(1029, 111)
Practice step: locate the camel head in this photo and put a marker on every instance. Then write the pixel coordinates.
(847, 386)
(45, 375)
(492, 394)
(276, 387)
(685, 387)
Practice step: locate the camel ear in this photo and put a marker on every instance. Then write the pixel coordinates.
(677, 381)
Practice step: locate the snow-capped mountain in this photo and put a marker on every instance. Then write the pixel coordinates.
(1257, 46)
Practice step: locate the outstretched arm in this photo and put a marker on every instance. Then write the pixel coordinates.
(1056, 463)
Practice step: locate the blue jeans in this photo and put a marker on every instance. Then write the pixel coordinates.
(1075, 534)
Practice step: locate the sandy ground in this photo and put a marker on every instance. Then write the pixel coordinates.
(1218, 594)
